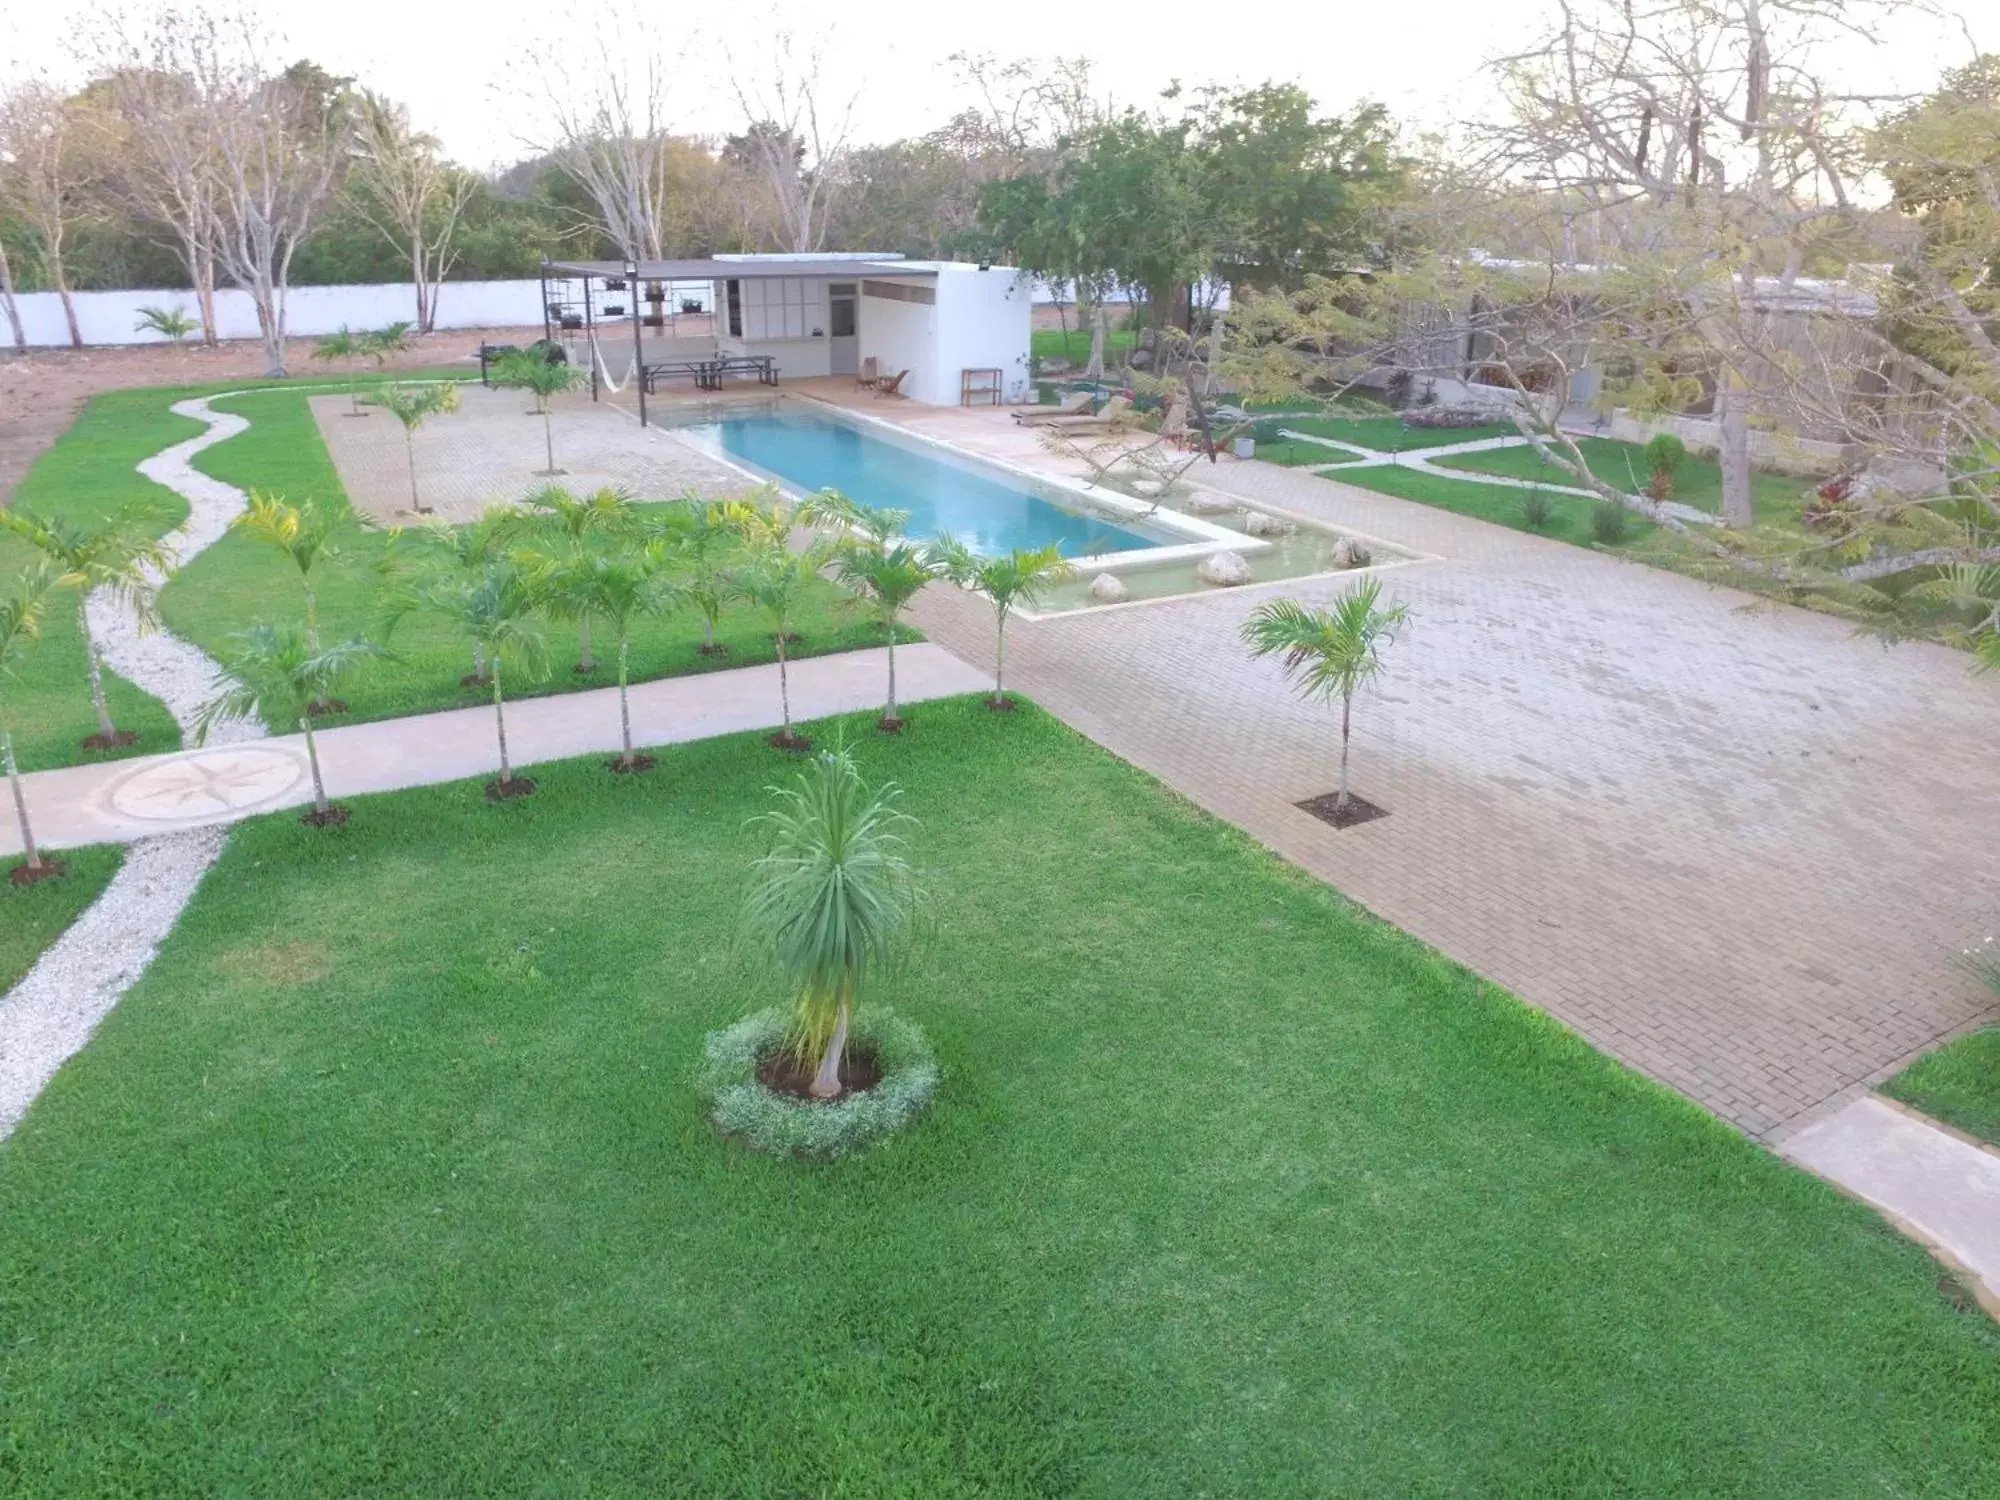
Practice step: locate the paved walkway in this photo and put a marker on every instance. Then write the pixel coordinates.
(1735, 847)
(130, 799)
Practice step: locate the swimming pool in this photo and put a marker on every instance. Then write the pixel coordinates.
(988, 509)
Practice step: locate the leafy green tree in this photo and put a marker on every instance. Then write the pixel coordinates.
(523, 371)
(778, 581)
(495, 610)
(21, 610)
(575, 524)
(281, 672)
(885, 578)
(1329, 653)
(123, 557)
(831, 896)
(1009, 582)
(413, 405)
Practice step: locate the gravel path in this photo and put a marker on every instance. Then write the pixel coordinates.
(50, 1014)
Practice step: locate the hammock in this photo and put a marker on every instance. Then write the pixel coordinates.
(603, 374)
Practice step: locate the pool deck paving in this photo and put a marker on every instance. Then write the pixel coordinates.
(122, 800)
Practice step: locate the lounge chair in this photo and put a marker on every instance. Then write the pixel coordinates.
(1076, 404)
(1114, 410)
(871, 373)
(892, 385)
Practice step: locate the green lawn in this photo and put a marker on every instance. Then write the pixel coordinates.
(1959, 1084)
(1388, 435)
(388, 1178)
(1569, 514)
(1776, 498)
(33, 917)
(237, 582)
(1049, 343)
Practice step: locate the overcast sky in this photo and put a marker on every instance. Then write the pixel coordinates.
(467, 71)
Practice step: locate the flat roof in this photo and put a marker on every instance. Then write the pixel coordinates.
(722, 270)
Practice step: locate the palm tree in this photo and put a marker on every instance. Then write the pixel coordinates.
(831, 507)
(495, 609)
(413, 405)
(348, 347)
(621, 589)
(1329, 653)
(1018, 578)
(577, 520)
(707, 534)
(831, 895)
(168, 322)
(778, 580)
(523, 371)
(394, 338)
(303, 533)
(282, 672)
(124, 556)
(445, 552)
(20, 629)
(885, 578)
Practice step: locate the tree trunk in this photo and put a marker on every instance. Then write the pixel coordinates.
(1094, 370)
(104, 725)
(204, 296)
(999, 656)
(410, 448)
(1346, 717)
(784, 685)
(479, 660)
(500, 725)
(7, 301)
(891, 715)
(826, 1083)
(312, 616)
(549, 437)
(1733, 426)
(624, 706)
(585, 662)
(20, 801)
(271, 326)
(312, 759)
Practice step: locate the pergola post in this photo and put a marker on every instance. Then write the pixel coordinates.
(547, 335)
(590, 336)
(638, 343)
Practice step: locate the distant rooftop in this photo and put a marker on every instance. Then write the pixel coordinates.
(721, 268)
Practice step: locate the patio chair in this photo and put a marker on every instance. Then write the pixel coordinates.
(892, 385)
(871, 373)
(1076, 404)
(1114, 411)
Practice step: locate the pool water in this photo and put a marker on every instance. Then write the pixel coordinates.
(988, 510)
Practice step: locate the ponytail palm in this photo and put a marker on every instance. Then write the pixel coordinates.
(1329, 653)
(21, 609)
(885, 579)
(123, 557)
(280, 672)
(1018, 578)
(831, 896)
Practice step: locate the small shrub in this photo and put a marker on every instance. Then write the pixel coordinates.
(1610, 523)
(1664, 454)
(1538, 509)
(784, 1125)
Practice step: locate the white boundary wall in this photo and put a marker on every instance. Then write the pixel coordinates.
(109, 317)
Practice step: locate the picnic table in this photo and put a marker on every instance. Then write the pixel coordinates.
(708, 373)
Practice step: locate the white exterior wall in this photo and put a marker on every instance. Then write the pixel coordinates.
(983, 322)
(900, 336)
(785, 316)
(108, 317)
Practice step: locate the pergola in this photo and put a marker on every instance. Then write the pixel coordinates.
(612, 275)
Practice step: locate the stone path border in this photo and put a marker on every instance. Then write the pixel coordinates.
(1937, 1187)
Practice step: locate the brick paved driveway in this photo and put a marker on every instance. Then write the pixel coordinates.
(1735, 849)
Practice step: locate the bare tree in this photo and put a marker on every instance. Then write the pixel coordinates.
(165, 167)
(403, 186)
(7, 286)
(48, 177)
(799, 137)
(281, 141)
(610, 133)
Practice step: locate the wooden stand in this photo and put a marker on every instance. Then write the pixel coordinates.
(978, 387)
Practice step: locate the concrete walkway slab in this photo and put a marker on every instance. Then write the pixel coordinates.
(1939, 1188)
(131, 799)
